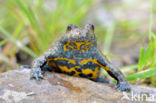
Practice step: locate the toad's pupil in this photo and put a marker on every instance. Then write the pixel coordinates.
(71, 26)
(92, 26)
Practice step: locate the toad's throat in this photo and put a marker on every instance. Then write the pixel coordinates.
(79, 46)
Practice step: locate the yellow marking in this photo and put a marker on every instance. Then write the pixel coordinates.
(66, 69)
(84, 71)
(89, 71)
(94, 61)
(95, 73)
(107, 68)
(68, 45)
(65, 48)
(78, 45)
(59, 58)
(88, 60)
(77, 66)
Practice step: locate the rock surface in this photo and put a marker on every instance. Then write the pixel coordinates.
(16, 87)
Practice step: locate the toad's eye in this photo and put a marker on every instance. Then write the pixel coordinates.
(89, 27)
(71, 26)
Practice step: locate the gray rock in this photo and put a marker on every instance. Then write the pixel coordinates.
(16, 87)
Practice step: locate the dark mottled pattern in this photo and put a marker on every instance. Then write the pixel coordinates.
(90, 75)
(78, 69)
(82, 75)
(69, 65)
(70, 73)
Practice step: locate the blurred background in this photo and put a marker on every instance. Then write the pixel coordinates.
(126, 32)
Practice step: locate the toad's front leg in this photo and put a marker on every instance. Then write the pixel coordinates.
(122, 84)
(37, 71)
(39, 64)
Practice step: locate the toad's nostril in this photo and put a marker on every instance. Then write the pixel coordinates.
(76, 33)
(71, 26)
(89, 27)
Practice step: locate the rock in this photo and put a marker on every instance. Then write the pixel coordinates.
(16, 87)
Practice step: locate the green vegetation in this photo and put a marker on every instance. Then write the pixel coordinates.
(31, 26)
(147, 62)
(33, 20)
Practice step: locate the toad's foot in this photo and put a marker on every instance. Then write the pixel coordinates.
(123, 86)
(37, 73)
